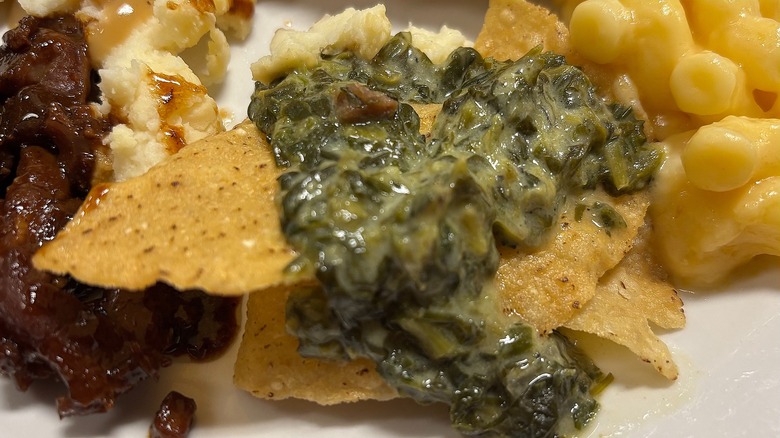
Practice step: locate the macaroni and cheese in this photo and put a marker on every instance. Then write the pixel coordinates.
(708, 75)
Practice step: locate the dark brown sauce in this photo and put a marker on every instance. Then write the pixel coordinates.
(174, 418)
(118, 19)
(99, 342)
(173, 93)
(94, 197)
(245, 9)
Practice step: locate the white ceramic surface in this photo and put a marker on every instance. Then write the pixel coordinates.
(729, 354)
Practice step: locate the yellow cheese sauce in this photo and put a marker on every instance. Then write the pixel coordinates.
(708, 77)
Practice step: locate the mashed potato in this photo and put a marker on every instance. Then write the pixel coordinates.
(363, 31)
(165, 238)
(46, 7)
(160, 101)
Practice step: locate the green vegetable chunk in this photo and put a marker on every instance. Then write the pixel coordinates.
(402, 230)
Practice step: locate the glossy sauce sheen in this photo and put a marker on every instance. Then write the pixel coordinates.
(174, 418)
(402, 229)
(118, 19)
(171, 93)
(99, 342)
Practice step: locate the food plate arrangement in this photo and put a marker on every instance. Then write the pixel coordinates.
(728, 384)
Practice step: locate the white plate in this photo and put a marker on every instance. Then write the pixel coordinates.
(729, 354)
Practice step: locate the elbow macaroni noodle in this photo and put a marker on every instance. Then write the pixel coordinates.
(694, 61)
(717, 198)
(708, 75)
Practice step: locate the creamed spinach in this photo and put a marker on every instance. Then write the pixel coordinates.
(402, 229)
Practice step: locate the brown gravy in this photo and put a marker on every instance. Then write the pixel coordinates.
(117, 21)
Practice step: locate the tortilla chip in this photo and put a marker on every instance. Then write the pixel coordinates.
(202, 219)
(233, 177)
(269, 366)
(513, 27)
(546, 287)
(427, 114)
(626, 300)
